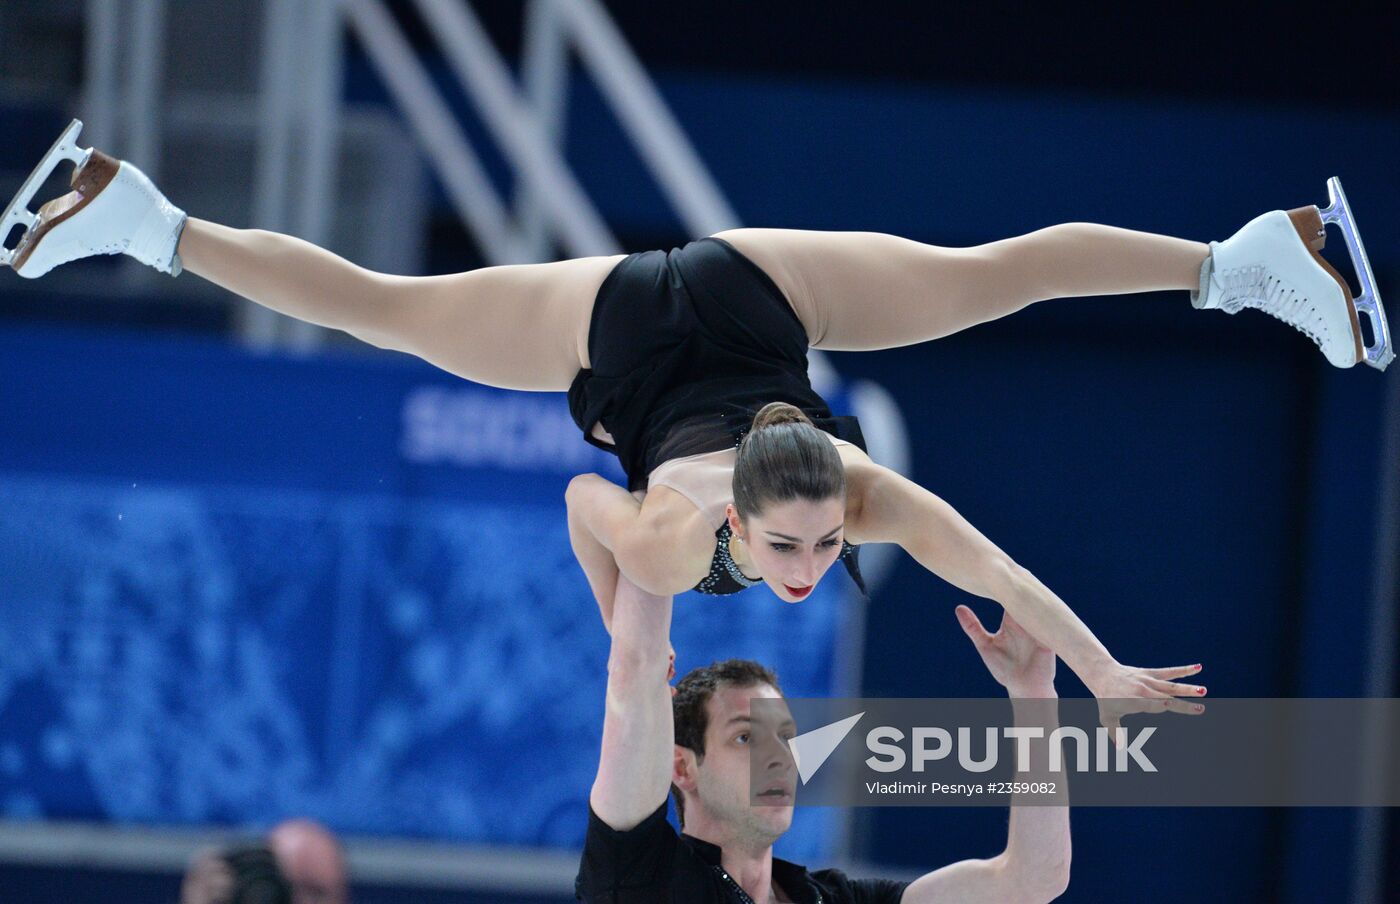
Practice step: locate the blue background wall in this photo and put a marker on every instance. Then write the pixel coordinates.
(239, 587)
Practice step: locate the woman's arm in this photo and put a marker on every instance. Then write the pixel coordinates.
(895, 509)
(608, 530)
(592, 554)
(892, 508)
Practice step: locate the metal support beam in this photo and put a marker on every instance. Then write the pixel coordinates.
(124, 56)
(321, 66)
(102, 72)
(298, 146)
(487, 79)
(453, 160)
(544, 74)
(647, 120)
(146, 59)
(259, 326)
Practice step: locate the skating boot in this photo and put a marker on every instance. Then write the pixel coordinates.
(1273, 264)
(113, 209)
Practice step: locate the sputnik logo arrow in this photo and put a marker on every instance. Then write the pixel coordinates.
(810, 749)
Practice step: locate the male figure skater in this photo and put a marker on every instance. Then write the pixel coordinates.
(699, 746)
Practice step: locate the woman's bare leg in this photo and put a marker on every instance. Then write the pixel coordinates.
(519, 327)
(859, 291)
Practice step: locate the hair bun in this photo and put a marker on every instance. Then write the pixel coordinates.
(778, 413)
(779, 465)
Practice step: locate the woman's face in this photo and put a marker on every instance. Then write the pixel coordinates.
(792, 544)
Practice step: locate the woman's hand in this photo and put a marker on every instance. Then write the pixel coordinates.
(1124, 689)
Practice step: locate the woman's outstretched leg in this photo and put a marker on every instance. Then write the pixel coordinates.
(519, 326)
(860, 291)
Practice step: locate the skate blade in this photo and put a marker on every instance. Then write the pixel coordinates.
(18, 212)
(1380, 352)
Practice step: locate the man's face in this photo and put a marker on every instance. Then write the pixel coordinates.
(733, 740)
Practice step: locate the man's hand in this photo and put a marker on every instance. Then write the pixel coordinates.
(1019, 663)
(1035, 865)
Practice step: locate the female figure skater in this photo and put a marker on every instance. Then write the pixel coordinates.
(670, 360)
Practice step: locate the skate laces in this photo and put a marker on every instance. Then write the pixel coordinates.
(147, 227)
(1255, 287)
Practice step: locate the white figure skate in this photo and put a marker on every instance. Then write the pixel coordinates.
(1273, 264)
(113, 209)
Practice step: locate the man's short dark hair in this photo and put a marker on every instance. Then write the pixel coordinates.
(689, 707)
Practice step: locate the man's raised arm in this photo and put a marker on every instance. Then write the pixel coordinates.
(634, 769)
(1034, 868)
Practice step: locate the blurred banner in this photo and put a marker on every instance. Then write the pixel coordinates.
(238, 587)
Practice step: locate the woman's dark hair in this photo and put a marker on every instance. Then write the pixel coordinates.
(784, 457)
(693, 692)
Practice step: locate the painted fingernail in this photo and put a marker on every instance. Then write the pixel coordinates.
(1197, 667)
(1200, 690)
(1199, 707)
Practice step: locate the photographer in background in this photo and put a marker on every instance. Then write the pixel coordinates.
(300, 862)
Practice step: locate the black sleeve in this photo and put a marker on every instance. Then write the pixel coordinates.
(626, 867)
(877, 891)
(840, 887)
